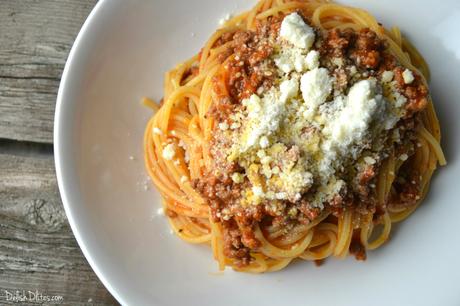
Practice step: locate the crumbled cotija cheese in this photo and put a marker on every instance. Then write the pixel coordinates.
(169, 152)
(264, 142)
(350, 127)
(387, 76)
(264, 116)
(369, 160)
(316, 86)
(237, 177)
(288, 89)
(223, 126)
(297, 32)
(312, 59)
(352, 123)
(408, 76)
(224, 19)
(157, 131)
(301, 37)
(291, 59)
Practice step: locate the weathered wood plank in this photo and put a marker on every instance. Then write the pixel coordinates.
(37, 249)
(35, 38)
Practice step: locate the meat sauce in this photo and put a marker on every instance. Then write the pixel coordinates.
(368, 52)
(247, 66)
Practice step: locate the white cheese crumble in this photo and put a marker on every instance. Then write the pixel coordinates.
(264, 143)
(316, 86)
(289, 89)
(237, 177)
(312, 59)
(281, 195)
(224, 19)
(369, 160)
(157, 131)
(403, 157)
(400, 100)
(408, 76)
(290, 59)
(169, 152)
(301, 36)
(258, 191)
(337, 61)
(235, 125)
(387, 76)
(352, 123)
(353, 70)
(264, 117)
(182, 144)
(223, 126)
(296, 31)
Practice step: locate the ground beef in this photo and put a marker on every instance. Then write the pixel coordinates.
(363, 47)
(337, 43)
(407, 189)
(247, 69)
(368, 54)
(366, 175)
(233, 245)
(415, 92)
(367, 51)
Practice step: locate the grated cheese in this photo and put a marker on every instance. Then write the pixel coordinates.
(296, 135)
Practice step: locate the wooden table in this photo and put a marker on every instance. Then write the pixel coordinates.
(38, 251)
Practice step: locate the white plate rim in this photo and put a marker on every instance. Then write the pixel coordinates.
(58, 147)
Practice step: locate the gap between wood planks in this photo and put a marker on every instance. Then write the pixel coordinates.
(25, 148)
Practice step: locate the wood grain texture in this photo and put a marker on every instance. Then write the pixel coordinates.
(38, 251)
(35, 39)
(37, 248)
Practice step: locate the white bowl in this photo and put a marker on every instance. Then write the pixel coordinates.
(120, 56)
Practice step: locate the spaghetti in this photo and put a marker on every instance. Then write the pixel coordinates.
(217, 193)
